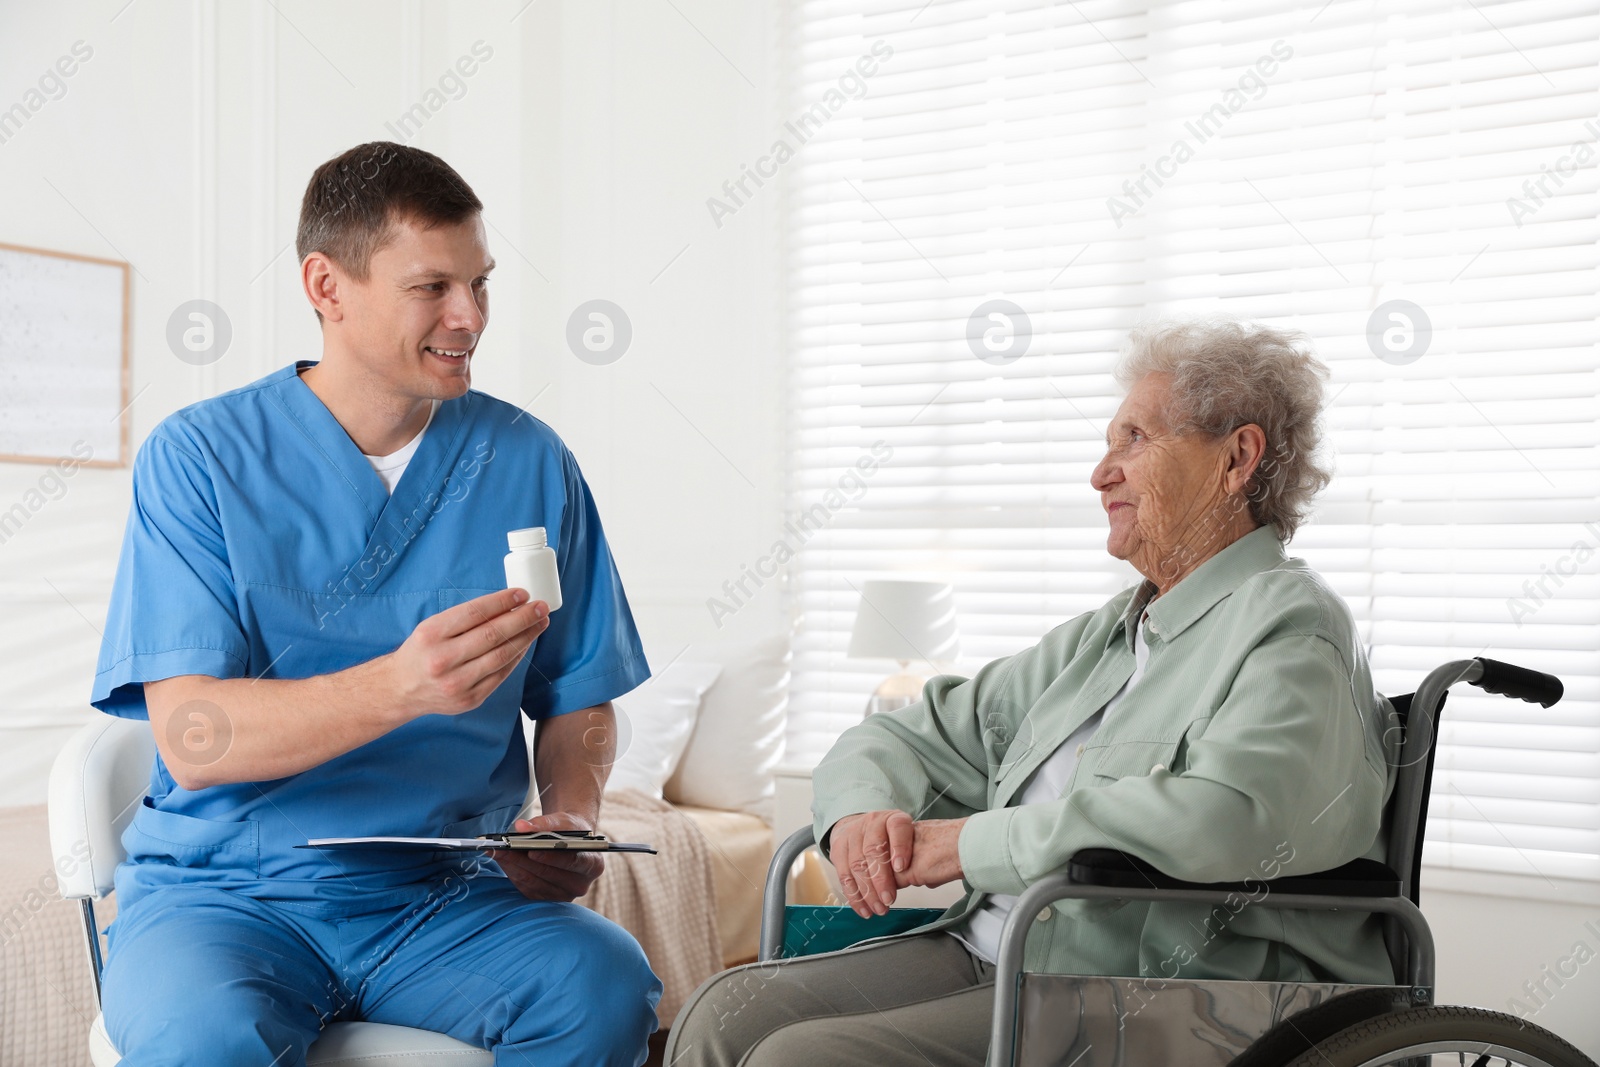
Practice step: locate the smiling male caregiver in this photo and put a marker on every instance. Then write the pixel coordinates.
(310, 610)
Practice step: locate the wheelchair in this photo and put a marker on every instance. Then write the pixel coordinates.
(1063, 1020)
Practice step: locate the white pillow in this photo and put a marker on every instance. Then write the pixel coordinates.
(738, 740)
(654, 722)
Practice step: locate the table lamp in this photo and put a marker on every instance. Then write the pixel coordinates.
(906, 621)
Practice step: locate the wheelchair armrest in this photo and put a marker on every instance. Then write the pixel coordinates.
(1119, 870)
(774, 900)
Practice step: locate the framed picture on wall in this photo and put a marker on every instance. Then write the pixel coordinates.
(64, 370)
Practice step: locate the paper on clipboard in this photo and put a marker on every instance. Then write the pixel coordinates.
(510, 840)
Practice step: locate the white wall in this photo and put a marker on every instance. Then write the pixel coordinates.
(1490, 946)
(642, 121)
(594, 135)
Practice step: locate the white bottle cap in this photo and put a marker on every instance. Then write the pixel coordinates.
(532, 537)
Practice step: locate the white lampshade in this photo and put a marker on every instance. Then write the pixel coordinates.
(905, 621)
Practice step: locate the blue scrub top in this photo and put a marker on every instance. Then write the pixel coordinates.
(261, 543)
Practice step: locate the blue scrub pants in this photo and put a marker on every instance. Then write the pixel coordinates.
(200, 975)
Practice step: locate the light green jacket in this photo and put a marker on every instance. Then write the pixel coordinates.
(1253, 746)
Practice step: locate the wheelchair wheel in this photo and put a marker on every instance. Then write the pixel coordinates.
(1436, 1036)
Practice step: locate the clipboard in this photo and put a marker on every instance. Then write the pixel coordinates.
(509, 840)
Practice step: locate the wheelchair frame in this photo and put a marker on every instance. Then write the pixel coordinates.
(1389, 889)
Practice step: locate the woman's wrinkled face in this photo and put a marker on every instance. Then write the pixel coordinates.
(1173, 500)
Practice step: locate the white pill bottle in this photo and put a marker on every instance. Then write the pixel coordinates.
(531, 565)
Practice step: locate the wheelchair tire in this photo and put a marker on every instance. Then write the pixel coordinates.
(1410, 1035)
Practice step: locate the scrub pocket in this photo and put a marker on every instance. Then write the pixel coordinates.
(449, 598)
(164, 837)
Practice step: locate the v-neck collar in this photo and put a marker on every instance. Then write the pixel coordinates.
(391, 517)
(402, 455)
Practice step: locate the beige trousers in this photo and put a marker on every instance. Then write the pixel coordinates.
(913, 1002)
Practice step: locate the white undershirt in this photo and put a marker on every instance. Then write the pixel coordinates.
(1048, 782)
(392, 466)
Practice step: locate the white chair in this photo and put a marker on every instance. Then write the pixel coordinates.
(95, 784)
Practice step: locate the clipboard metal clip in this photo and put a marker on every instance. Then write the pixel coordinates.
(506, 836)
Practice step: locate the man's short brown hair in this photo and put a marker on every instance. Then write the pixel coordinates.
(355, 200)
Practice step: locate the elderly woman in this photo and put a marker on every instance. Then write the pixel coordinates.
(1217, 720)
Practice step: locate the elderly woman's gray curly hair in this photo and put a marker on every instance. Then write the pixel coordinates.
(1226, 374)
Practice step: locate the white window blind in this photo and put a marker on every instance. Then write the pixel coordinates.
(1313, 164)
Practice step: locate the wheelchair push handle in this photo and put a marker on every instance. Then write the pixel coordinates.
(1508, 679)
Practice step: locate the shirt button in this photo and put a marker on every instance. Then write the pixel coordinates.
(1081, 749)
(1158, 767)
(1043, 916)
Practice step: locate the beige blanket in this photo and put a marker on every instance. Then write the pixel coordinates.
(741, 850)
(46, 994)
(667, 901)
